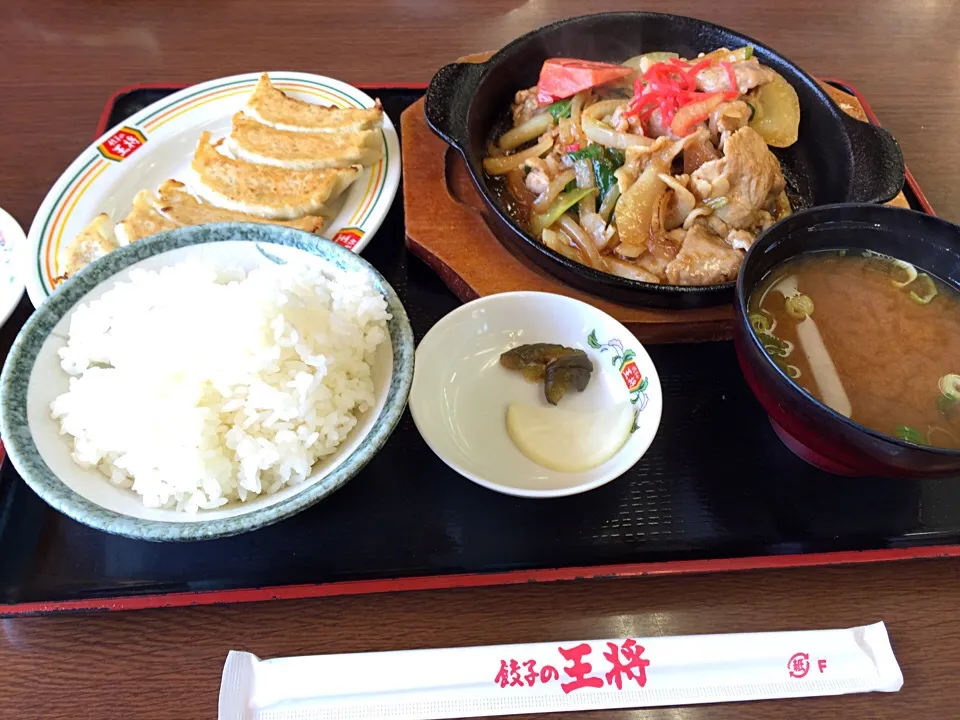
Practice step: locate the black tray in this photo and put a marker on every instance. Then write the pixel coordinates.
(716, 491)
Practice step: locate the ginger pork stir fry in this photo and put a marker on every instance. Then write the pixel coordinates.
(656, 170)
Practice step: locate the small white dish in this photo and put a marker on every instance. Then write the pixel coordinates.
(460, 392)
(12, 243)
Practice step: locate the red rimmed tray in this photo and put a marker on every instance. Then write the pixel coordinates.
(678, 512)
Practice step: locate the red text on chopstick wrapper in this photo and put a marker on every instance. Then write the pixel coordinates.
(578, 669)
(509, 675)
(799, 665)
(625, 662)
(531, 676)
(633, 666)
(549, 673)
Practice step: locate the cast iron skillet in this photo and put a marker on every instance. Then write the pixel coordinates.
(836, 159)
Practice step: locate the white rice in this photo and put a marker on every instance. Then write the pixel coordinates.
(196, 388)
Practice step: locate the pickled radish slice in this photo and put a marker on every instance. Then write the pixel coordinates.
(569, 441)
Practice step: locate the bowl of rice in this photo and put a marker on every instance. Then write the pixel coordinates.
(206, 381)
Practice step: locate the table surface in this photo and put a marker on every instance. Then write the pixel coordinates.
(61, 60)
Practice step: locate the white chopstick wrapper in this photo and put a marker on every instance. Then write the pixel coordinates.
(560, 676)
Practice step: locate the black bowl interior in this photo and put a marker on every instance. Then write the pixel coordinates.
(929, 243)
(820, 168)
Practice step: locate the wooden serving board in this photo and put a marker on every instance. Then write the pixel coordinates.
(446, 229)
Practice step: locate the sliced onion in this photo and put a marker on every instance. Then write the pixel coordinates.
(602, 133)
(601, 109)
(684, 204)
(524, 133)
(558, 242)
(701, 211)
(660, 244)
(576, 107)
(556, 186)
(631, 252)
(596, 227)
(609, 202)
(637, 206)
(631, 271)
(585, 179)
(501, 165)
(605, 135)
(571, 228)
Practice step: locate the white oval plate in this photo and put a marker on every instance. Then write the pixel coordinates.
(12, 242)
(157, 143)
(460, 392)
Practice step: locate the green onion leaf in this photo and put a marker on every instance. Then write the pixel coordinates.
(590, 152)
(604, 161)
(603, 174)
(799, 307)
(748, 53)
(947, 406)
(908, 271)
(775, 347)
(949, 385)
(560, 109)
(905, 432)
(926, 290)
(564, 202)
(760, 322)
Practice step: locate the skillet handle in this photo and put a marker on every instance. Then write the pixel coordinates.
(878, 170)
(447, 104)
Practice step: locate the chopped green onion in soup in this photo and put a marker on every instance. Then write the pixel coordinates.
(925, 290)
(905, 432)
(950, 386)
(799, 307)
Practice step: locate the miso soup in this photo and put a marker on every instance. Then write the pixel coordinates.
(874, 338)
